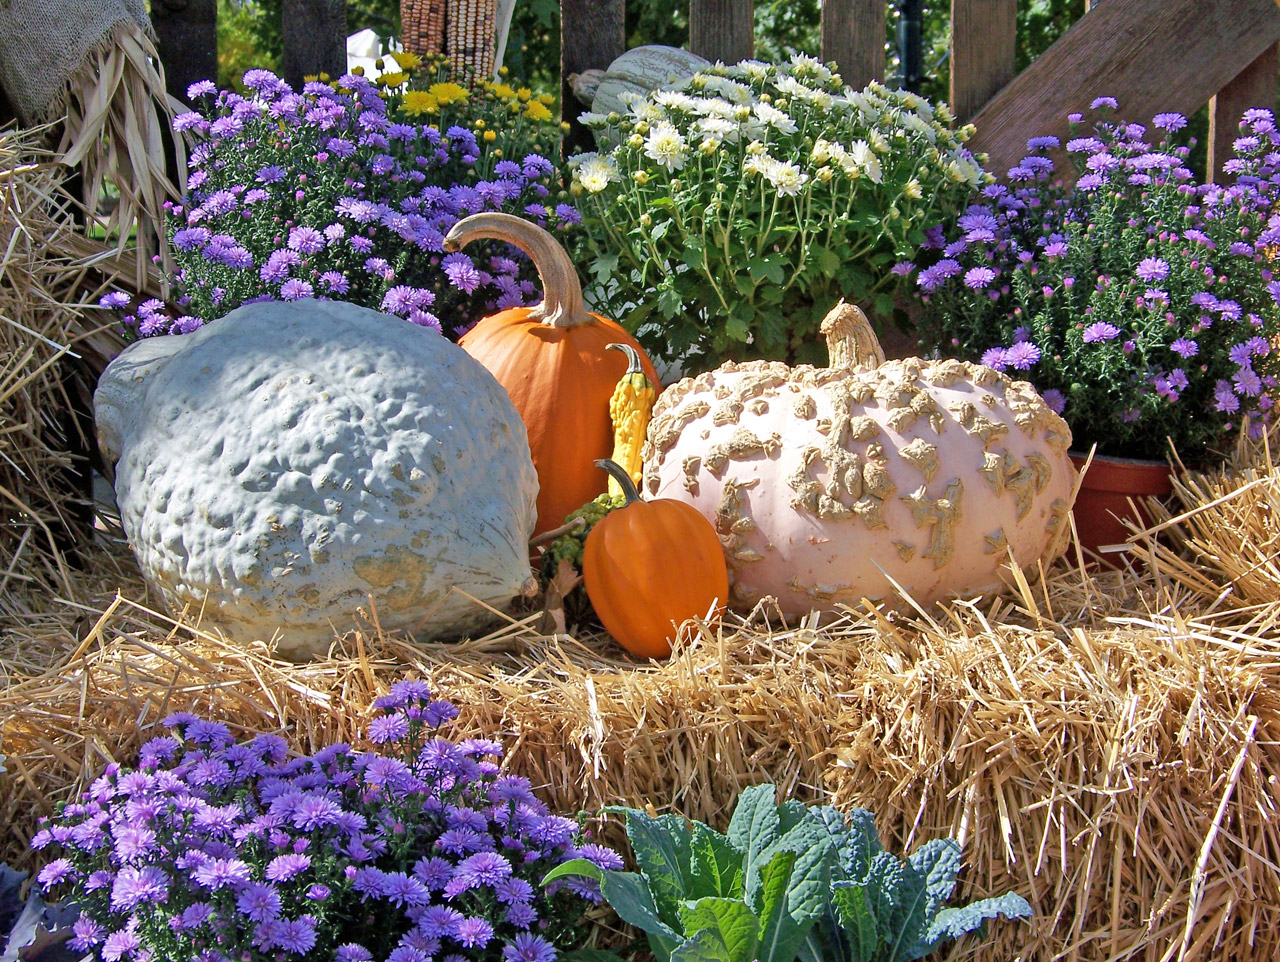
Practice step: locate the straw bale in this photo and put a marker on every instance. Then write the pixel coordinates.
(1103, 743)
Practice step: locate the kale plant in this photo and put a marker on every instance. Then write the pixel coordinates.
(787, 882)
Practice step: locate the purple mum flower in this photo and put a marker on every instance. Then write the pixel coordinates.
(995, 358)
(473, 932)
(1101, 102)
(295, 289)
(461, 272)
(978, 278)
(135, 886)
(259, 902)
(1055, 399)
(1022, 356)
(1100, 331)
(526, 947)
(389, 728)
(284, 867)
(306, 240)
(1153, 269)
(1184, 347)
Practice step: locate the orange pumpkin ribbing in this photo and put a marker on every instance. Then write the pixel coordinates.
(648, 567)
(560, 380)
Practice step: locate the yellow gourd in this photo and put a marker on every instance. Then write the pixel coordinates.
(630, 409)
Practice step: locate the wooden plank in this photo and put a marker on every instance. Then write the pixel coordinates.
(722, 29)
(315, 39)
(1254, 86)
(187, 41)
(592, 35)
(853, 36)
(984, 37)
(1123, 50)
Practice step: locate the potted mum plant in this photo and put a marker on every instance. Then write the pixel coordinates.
(736, 211)
(1143, 306)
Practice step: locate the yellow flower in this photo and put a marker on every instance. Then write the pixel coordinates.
(490, 136)
(503, 90)
(546, 99)
(358, 71)
(564, 125)
(479, 125)
(407, 60)
(524, 93)
(310, 77)
(448, 93)
(419, 102)
(537, 111)
(393, 79)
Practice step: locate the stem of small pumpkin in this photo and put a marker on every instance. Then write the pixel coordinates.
(633, 357)
(561, 293)
(619, 474)
(851, 341)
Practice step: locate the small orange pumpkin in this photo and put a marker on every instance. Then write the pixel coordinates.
(552, 359)
(650, 565)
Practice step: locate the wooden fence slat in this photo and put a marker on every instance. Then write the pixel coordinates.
(187, 41)
(722, 29)
(1255, 86)
(983, 52)
(853, 36)
(593, 34)
(1123, 50)
(315, 39)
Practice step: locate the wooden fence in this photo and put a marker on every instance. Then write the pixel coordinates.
(1152, 55)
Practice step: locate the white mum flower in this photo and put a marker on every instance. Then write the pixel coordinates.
(787, 178)
(730, 90)
(713, 107)
(821, 151)
(666, 147)
(777, 119)
(866, 160)
(595, 173)
(806, 66)
(674, 100)
(593, 119)
(913, 189)
(754, 69)
(878, 142)
(716, 128)
(648, 111)
(916, 124)
(790, 86)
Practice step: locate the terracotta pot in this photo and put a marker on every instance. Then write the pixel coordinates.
(1102, 506)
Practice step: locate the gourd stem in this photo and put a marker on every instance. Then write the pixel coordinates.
(619, 474)
(851, 341)
(633, 357)
(561, 293)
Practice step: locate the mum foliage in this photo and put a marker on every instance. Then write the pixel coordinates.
(736, 210)
(220, 852)
(345, 191)
(1144, 307)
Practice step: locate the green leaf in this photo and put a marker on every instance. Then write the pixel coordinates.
(780, 934)
(706, 946)
(669, 303)
(736, 329)
(828, 263)
(659, 230)
(767, 268)
(857, 920)
(628, 895)
(882, 305)
(575, 866)
(744, 285)
(716, 866)
(730, 919)
(938, 860)
(754, 825)
(604, 266)
(661, 848)
(692, 256)
(860, 844)
(810, 841)
(955, 922)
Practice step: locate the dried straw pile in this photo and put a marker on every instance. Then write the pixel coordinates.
(45, 341)
(1105, 745)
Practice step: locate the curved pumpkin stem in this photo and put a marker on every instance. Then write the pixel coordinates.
(633, 357)
(561, 293)
(851, 342)
(619, 474)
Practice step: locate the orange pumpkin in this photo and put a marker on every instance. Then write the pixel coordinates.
(552, 359)
(650, 565)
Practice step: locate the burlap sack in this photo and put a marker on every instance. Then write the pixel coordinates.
(42, 42)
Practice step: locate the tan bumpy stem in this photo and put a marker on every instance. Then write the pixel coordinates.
(851, 342)
(561, 293)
